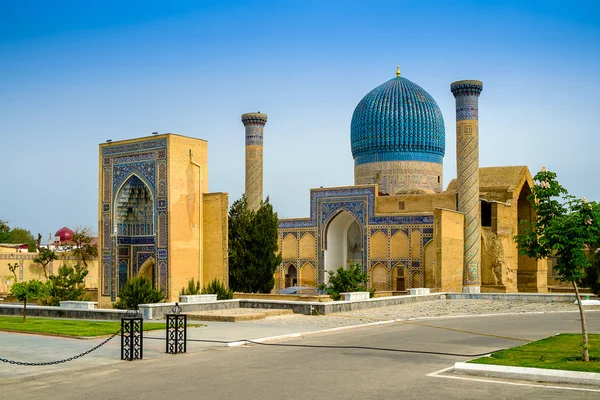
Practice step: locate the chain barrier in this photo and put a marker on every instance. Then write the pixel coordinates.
(39, 364)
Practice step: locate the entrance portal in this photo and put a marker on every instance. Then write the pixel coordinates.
(343, 245)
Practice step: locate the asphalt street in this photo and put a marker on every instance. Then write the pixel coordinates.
(324, 372)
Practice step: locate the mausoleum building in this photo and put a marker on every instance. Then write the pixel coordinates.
(397, 222)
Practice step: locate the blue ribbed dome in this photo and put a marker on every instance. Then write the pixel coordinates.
(397, 121)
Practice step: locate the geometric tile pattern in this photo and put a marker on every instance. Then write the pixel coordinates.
(125, 250)
(467, 159)
(359, 202)
(397, 121)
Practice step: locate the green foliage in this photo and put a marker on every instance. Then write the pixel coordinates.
(193, 288)
(83, 248)
(137, 291)
(253, 256)
(554, 352)
(592, 276)
(16, 235)
(13, 269)
(27, 291)
(68, 284)
(44, 257)
(343, 280)
(217, 287)
(68, 327)
(4, 229)
(563, 226)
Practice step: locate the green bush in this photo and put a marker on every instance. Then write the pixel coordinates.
(68, 284)
(193, 288)
(137, 291)
(27, 291)
(218, 288)
(343, 280)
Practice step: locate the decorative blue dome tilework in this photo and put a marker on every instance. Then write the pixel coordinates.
(397, 121)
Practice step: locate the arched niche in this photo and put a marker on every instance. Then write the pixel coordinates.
(134, 209)
(398, 278)
(379, 277)
(123, 274)
(290, 247)
(378, 245)
(416, 280)
(428, 265)
(399, 245)
(146, 271)
(308, 275)
(291, 275)
(307, 246)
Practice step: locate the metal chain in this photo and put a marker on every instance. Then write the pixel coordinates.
(38, 364)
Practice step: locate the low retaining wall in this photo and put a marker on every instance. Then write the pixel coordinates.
(57, 312)
(159, 310)
(309, 308)
(529, 297)
(197, 298)
(284, 297)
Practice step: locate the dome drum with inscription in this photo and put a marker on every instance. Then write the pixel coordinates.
(398, 139)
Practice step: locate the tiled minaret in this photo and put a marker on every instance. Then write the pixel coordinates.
(466, 94)
(254, 123)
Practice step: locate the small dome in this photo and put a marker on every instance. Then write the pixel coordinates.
(397, 121)
(65, 234)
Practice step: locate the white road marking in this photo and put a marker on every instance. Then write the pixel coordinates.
(436, 374)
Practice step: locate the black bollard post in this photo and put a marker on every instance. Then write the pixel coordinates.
(176, 335)
(132, 336)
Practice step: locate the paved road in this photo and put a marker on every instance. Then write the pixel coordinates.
(276, 372)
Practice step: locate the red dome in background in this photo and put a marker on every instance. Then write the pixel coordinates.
(65, 234)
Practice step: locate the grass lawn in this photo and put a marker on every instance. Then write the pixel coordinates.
(556, 352)
(69, 327)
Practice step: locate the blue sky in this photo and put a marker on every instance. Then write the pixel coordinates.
(76, 73)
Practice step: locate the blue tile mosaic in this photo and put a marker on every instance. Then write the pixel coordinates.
(398, 121)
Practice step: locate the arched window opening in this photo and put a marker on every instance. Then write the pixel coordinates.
(134, 209)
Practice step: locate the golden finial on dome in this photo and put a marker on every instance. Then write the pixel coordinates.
(398, 70)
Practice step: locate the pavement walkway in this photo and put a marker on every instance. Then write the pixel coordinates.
(36, 348)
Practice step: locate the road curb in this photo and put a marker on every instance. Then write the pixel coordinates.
(528, 374)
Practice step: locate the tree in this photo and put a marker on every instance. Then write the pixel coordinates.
(27, 291)
(16, 235)
(13, 268)
(565, 227)
(137, 291)
(253, 256)
(20, 235)
(193, 288)
(68, 284)
(45, 257)
(4, 230)
(217, 287)
(84, 249)
(343, 280)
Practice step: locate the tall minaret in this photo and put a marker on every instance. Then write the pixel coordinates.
(466, 94)
(254, 123)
